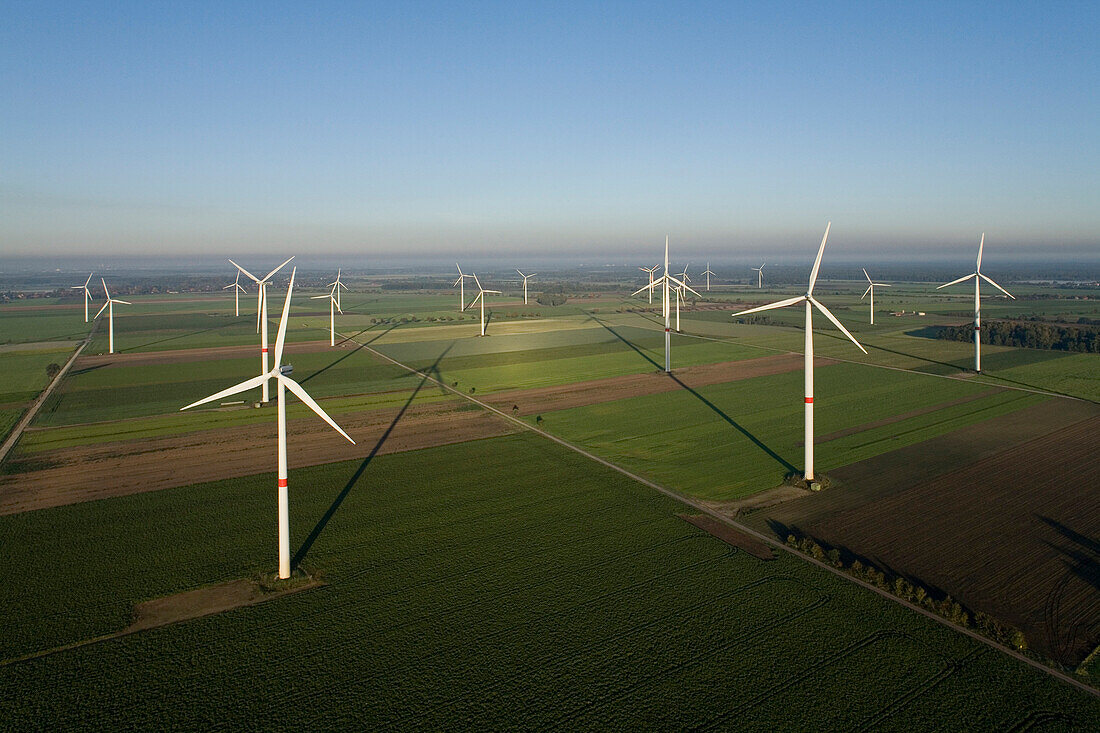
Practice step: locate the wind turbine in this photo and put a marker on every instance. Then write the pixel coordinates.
(261, 318)
(525, 284)
(109, 306)
(680, 294)
(871, 289)
(87, 294)
(337, 286)
(759, 274)
(708, 273)
(461, 284)
(281, 375)
(811, 303)
(650, 270)
(669, 282)
(237, 290)
(333, 306)
(481, 296)
(978, 277)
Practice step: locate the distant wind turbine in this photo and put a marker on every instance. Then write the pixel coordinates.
(525, 278)
(237, 290)
(759, 274)
(281, 375)
(87, 294)
(337, 286)
(109, 306)
(460, 283)
(978, 277)
(333, 306)
(650, 270)
(871, 290)
(708, 273)
(481, 296)
(261, 318)
(811, 303)
(668, 282)
(681, 295)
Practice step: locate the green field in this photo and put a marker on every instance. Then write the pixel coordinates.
(497, 584)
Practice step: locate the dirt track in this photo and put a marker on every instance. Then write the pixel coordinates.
(84, 473)
(547, 399)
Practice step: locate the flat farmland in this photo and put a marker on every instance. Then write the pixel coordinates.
(727, 441)
(999, 515)
(497, 584)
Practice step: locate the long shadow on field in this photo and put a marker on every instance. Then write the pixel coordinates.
(316, 531)
(1083, 559)
(359, 347)
(622, 338)
(717, 410)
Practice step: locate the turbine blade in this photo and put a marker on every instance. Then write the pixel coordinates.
(865, 292)
(318, 297)
(883, 285)
(956, 282)
(988, 280)
(817, 262)
(866, 275)
(304, 397)
(646, 287)
(770, 306)
(246, 272)
(105, 288)
(89, 279)
(837, 323)
(97, 315)
(981, 244)
(126, 302)
(235, 389)
(268, 276)
(281, 338)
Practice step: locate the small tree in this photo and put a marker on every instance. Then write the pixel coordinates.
(52, 370)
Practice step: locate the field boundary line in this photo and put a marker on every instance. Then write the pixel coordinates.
(671, 493)
(967, 380)
(32, 412)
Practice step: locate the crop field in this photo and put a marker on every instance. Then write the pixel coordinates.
(517, 572)
(729, 441)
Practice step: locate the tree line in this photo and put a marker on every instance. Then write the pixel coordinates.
(1029, 335)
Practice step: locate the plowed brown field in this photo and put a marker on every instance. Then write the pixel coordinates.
(1010, 526)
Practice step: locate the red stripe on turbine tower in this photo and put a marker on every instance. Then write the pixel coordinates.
(282, 483)
(809, 400)
(264, 350)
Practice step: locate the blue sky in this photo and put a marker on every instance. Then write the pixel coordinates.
(422, 127)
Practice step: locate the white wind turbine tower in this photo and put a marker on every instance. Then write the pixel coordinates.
(109, 306)
(978, 277)
(525, 277)
(708, 273)
(333, 306)
(759, 274)
(680, 294)
(337, 286)
(261, 318)
(460, 283)
(237, 290)
(811, 303)
(650, 270)
(871, 290)
(668, 282)
(282, 378)
(481, 296)
(87, 294)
